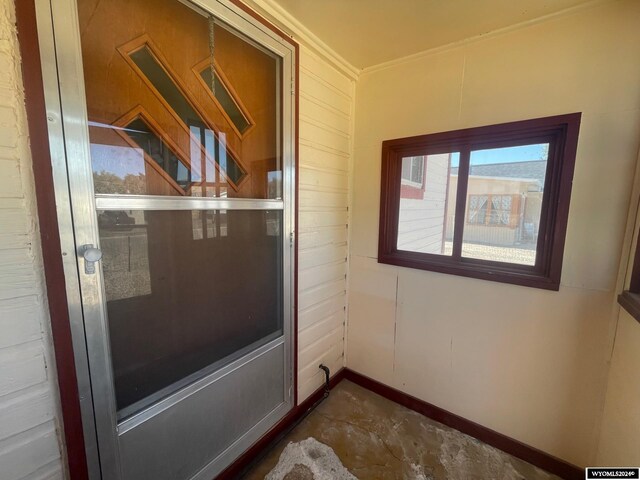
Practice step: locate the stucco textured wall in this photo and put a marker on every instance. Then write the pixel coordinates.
(29, 433)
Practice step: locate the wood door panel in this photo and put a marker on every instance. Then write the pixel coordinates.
(181, 37)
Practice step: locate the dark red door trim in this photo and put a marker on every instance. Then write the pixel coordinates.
(50, 236)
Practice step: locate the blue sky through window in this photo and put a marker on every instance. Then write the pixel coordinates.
(523, 153)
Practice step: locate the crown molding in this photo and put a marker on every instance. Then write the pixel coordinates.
(483, 36)
(288, 23)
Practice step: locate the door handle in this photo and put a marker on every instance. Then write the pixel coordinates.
(91, 255)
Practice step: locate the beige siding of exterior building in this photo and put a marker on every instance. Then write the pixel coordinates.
(495, 235)
(421, 222)
(326, 113)
(29, 445)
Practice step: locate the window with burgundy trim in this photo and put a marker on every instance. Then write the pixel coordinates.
(630, 299)
(489, 202)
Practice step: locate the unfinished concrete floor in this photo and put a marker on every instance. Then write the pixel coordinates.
(375, 438)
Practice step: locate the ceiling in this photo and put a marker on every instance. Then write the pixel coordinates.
(369, 32)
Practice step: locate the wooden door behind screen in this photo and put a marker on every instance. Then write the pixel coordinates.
(149, 84)
(179, 176)
(178, 105)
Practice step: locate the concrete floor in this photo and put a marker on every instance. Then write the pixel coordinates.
(375, 438)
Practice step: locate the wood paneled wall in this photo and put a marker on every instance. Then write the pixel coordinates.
(326, 124)
(29, 447)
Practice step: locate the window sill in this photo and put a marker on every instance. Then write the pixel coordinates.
(492, 271)
(631, 303)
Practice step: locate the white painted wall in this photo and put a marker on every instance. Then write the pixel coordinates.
(529, 363)
(29, 446)
(620, 435)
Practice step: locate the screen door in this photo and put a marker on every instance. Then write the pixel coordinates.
(175, 136)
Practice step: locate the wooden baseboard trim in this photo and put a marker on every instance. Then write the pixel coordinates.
(269, 439)
(508, 445)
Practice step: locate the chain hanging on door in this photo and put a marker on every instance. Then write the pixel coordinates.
(212, 43)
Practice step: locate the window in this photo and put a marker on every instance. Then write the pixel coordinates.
(499, 210)
(629, 299)
(147, 62)
(224, 96)
(489, 202)
(413, 171)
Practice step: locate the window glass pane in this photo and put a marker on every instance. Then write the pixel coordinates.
(504, 199)
(187, 293)
(219, 89)
(166, 86)
(427, 203)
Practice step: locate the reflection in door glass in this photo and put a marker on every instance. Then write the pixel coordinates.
(161, 122)
(187, 293)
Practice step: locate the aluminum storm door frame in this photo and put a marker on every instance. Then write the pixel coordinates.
(135, 448)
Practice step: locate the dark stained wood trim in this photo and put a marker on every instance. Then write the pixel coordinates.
(285, 36)
(508, 445)
(273, 436)
(445, 221)
(560, 131)
(50, 239)
(461, 203)
(630, 299)
(296, 235)
(634, 285)
(491, 437)
(631, 303)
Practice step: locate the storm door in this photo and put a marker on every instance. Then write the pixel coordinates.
(171, 132)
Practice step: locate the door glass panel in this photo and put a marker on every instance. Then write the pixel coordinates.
(178, 88)
(504, 201)
(187, 292)
(153, 146)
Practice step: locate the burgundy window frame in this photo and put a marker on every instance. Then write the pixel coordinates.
(560, 131)
(630, 299)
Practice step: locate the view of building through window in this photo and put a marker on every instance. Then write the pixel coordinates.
(503, 203)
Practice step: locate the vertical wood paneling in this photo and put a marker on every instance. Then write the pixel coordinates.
(29, 445)
(326, 120)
